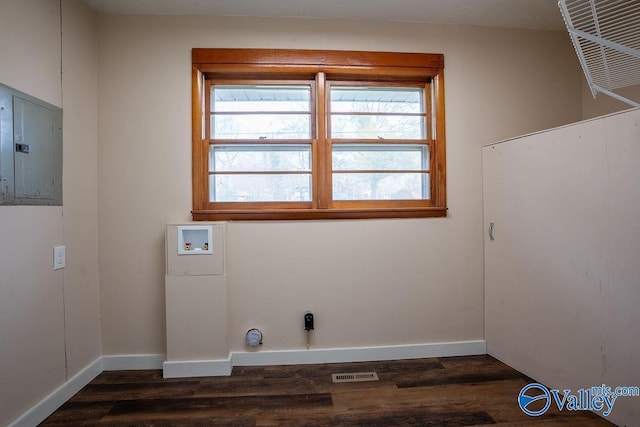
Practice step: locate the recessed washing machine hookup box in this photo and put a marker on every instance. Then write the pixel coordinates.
(195, 249)
(195, 240)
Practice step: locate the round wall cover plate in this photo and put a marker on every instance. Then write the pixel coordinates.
(253, 337)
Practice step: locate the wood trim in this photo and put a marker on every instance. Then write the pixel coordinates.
(428, 105)
(198, 163)
(316, 129)
(410, 75)
(225, 81)
(382, 204)
(390, 171)
(439, 161)
(269, 172)
(316, 57)
(309, 214)
(376, 113)
(351, 141)
(256, 206)
(258, 141)
(349, 66)
(323, 171)
(258, 112)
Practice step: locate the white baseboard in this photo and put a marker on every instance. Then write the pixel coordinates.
(222, 367)
(196, 368)
(126, 362)
(47, 406)
(358, 354)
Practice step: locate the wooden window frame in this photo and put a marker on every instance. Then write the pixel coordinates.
(322, 67)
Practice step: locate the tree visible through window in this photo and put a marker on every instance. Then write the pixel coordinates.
(307, 134)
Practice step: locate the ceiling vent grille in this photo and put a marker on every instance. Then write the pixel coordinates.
(355, 377)
(606, 36)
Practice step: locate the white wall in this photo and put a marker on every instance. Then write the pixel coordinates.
(49, 320)
(562, 292)
(376, 282)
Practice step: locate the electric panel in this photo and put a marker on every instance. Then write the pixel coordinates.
(30, 150)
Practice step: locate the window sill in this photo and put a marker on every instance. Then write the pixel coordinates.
(311, 214)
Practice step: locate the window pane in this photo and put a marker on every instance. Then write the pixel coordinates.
(261, 112)
(378, 100)
(380, 186)
(260, 188)
(256, 158)
(377, 112)
(380, 157)
(260, 98)
(376, 127)
(261, 126)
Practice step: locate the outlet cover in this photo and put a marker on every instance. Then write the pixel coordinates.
(59, 257)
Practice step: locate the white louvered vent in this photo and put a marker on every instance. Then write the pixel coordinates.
(606, 36)
(355, 377)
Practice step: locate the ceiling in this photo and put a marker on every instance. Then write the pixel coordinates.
(532, 14)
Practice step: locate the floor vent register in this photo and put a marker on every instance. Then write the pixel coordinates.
(355, 377)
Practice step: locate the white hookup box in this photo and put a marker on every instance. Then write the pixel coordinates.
(195, 249)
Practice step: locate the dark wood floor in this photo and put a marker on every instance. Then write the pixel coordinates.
(449, 391)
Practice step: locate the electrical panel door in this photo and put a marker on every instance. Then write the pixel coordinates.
(30, 150)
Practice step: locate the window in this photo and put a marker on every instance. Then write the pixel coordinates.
(281, 134)
(260, 142)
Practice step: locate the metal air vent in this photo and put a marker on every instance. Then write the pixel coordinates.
(606, 36)
(355, 377)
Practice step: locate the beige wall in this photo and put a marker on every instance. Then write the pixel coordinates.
(369, 282)
(377, 282)
(561, 281)
(49, 320)
(80, 180)
(604, 104)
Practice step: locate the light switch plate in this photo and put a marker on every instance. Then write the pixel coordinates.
(59, 257)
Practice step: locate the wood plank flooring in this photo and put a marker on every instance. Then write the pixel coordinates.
(449, 391)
